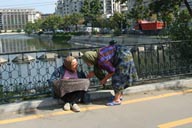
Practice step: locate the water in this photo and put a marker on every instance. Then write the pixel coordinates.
(21, 43)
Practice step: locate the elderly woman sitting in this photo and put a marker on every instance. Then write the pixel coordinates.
(67, 84)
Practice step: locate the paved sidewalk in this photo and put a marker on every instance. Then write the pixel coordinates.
(50, 102)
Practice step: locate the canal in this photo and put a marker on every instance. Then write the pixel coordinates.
(22, 43)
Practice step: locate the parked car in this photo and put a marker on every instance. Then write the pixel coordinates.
(48, 32)
(59, 31)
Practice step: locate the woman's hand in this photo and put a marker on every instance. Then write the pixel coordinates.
(104, 80)
(90, 74)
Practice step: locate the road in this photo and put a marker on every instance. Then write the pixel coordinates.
(152, 109)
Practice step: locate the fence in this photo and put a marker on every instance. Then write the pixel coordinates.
(25, 75)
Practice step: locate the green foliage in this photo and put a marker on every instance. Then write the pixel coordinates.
(76, 19)
(52, 22)
(18, 30)
(103, 22)
(181, 29)
(117, 32)
(91, 9)
(139, 11)
(29, 28)
(164, 9)
(33, 27)
(94, 32)
(62, 36)
(118, 20)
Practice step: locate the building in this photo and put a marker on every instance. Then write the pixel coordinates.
(109, 7)
(14, 19)
(67, 7)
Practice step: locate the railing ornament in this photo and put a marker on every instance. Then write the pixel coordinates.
(48, 57)
(3, 61)
(21, 59)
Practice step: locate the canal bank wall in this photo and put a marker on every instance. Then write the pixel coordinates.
(137, 39)
(101, 40)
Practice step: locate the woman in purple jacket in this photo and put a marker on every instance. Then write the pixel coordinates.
(117, 60)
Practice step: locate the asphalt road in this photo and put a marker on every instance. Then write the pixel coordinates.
(152, 109)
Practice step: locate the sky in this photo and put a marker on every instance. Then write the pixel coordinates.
(44, 6)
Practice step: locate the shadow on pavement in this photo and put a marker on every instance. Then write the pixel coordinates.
(95, 98)
(50, 104)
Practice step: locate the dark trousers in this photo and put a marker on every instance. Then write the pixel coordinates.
(74, 97)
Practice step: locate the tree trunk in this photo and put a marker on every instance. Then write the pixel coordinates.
(188, 7)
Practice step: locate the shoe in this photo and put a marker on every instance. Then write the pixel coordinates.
(66, 107)
(75, 108)
(113, 103)
(111, 98)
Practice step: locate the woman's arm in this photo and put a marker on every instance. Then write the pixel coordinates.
(57, 74)
(90, 74)
(104, 80)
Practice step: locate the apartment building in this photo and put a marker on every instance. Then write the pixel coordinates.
(66, 7)
(14, 19)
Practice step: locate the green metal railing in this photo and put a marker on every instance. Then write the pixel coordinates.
(25, 75)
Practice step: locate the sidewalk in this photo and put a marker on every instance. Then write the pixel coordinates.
(50, 102)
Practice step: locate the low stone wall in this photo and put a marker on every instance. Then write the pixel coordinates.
(119, 39)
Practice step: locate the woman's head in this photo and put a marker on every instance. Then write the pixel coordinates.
(90, 58)
(71, 63)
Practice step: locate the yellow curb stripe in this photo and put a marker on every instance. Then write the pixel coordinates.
(93, 108)
(82, 110)
(176, 123)
(8, 121)
(26, 118)
(156, 97)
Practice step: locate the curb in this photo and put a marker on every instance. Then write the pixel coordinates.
(50, 102)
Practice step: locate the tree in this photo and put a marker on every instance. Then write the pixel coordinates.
(66, 22)
(180, 28)
(52, 22)
(163, 8)
(188, 7)
(29, 28)
(118, 20)
(76, 19)
(91, 9)
(139, 11)
(103, 22)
